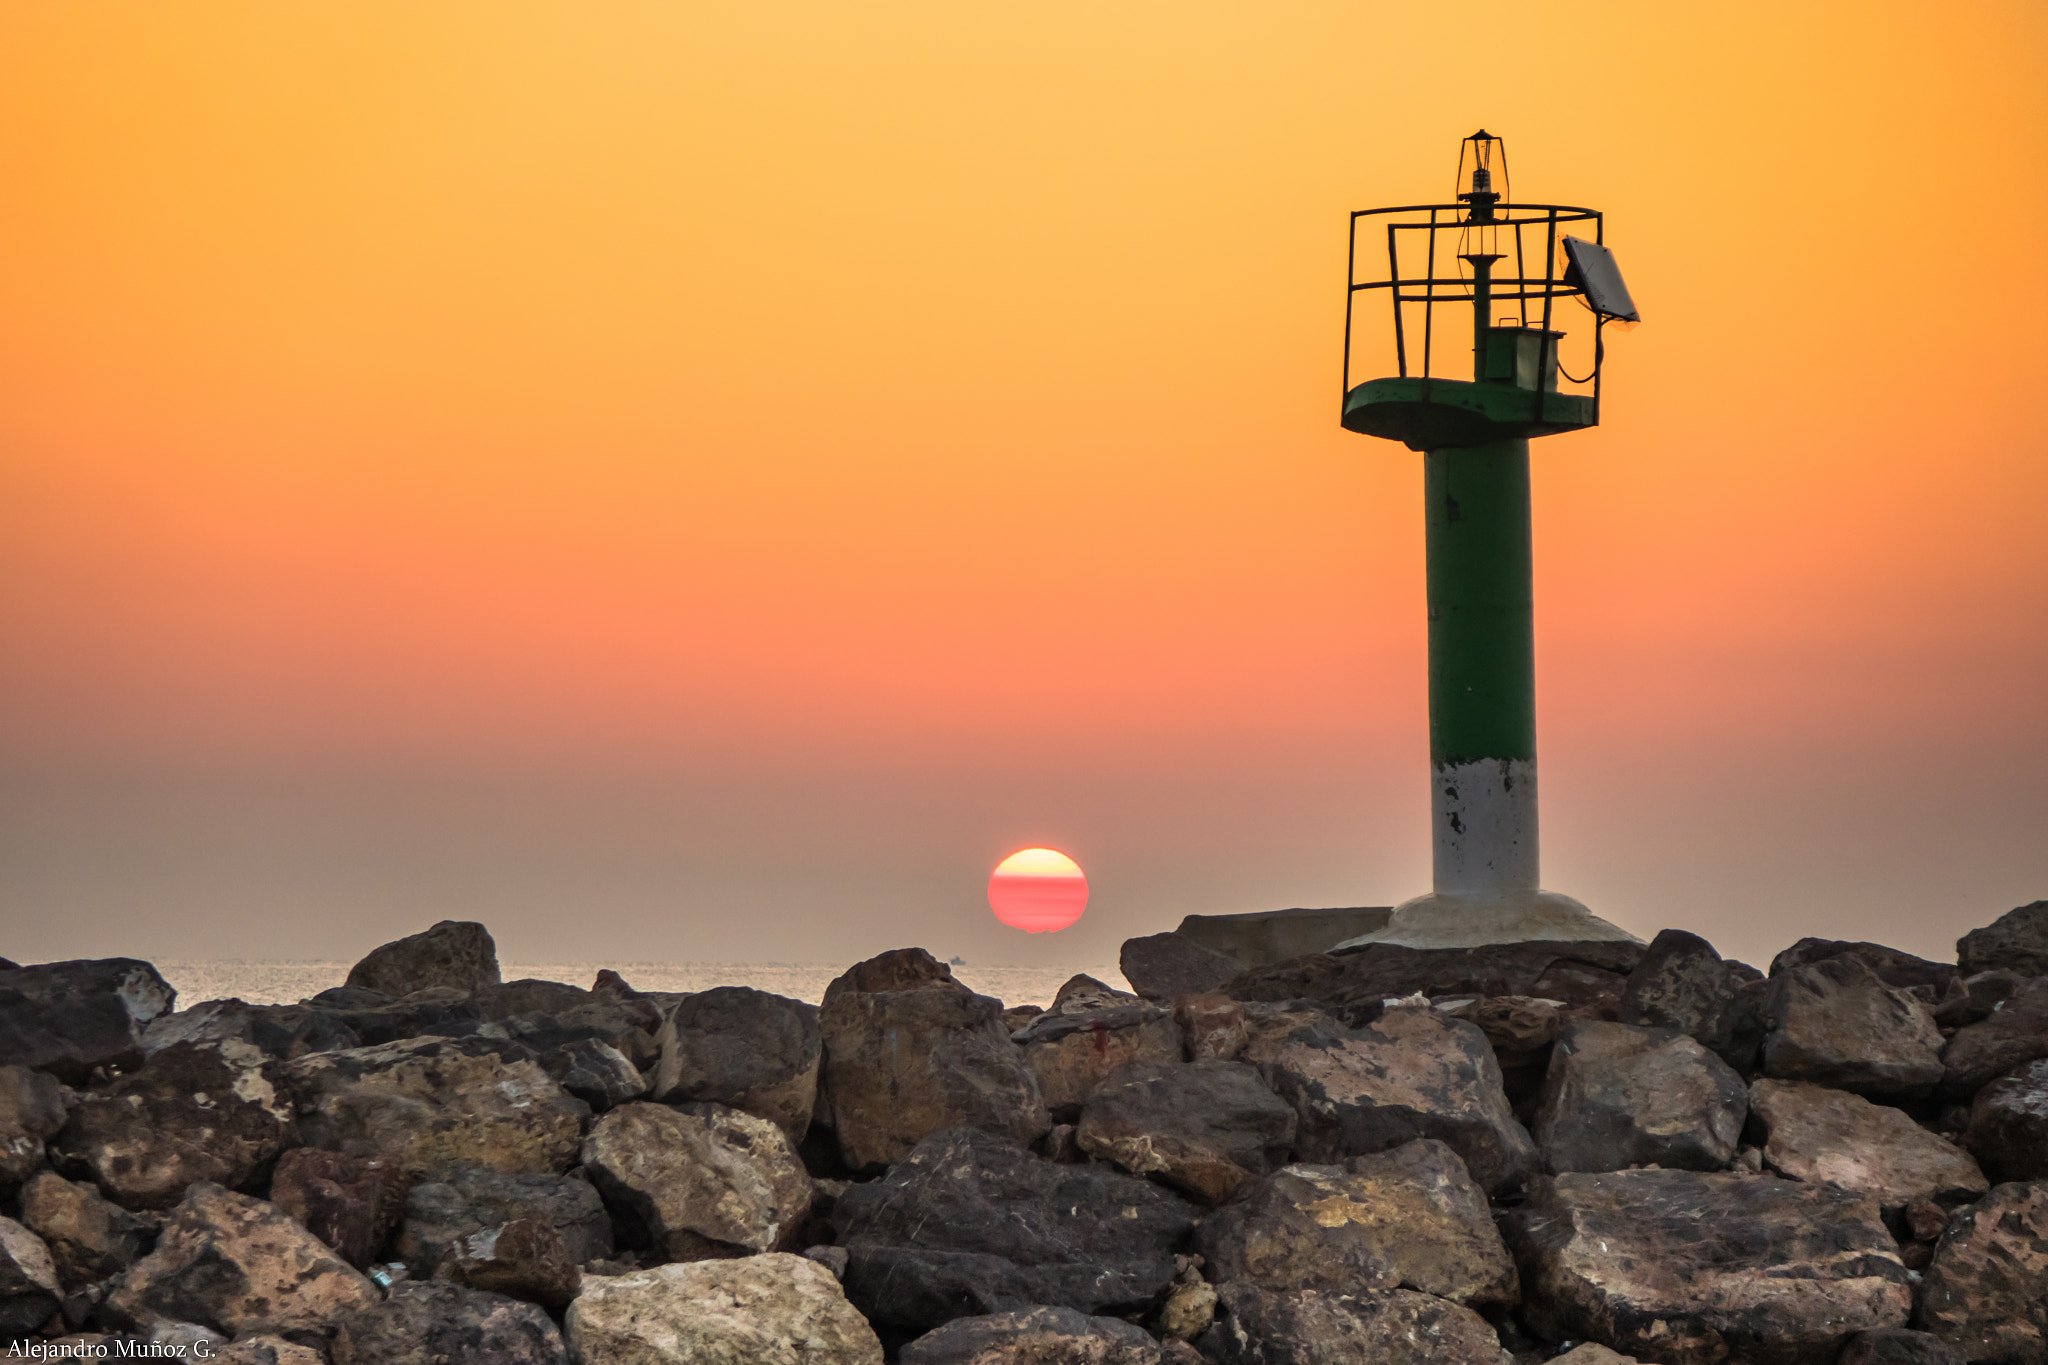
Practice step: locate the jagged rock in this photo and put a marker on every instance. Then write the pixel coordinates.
(1312, 1327)
(1090, 1031)
(375, 1019)
(473, 1199)
(968, 1224)
(1836, 1024)
(2008, 1130)
(1589, 976)
(2017, 941)
(1817, 1134)
(1683, 984)
(548, 1016)
(33, 1106)
(69, 1018)
(525, 1258)
(348, 1202)
(29, 1292)
(239, 1265)
(1189, 1308)
(269, 1350)
(197, 1111)
(1692, 1266)
(1034, 1336)
(596, 1073)
(908, 1051)
(1163, 967)
(1620, 1095)
(429, 1323)
(279, 1031)
(89, 1238)
(430, 1105)
(1268, 936)
(1409, 1218)
(1211, 1027)
(454, 954)
(1519, 1028)
(700, 1181)
(745, 1049)
(1202, 1127)
(1978, 997)
(773, 1309)
(2004, 1041)
(1899, 1347)
(1412, 1073)
(1986, 1293)
(1900, 970)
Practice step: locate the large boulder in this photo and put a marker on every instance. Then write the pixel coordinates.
(237, 1265)
(88, 1237)
(1262, 937)
(1893, 967)
(1986, 1293)
(1836, 1023)
(373, 1018)
(1817, 1134)
(432, 1323)
(1315, 1327)
(2006, 1039)
(700, 1181)
(351, 1203)
(746, 1049)
(772, 1309)
(197, 1111)
(1163, 967)
(1589, 977)
(29, 1290)
(2008, 1130)
(279, 1031)
(1683, 984)
(909, 1051)
(1410, 1218)
(1412, 1073)
(1034, 1336)
(72, 1018)
(1091, 1030)
(2017, 941)
(454, 954)
(431, 1105)
(1619, 1095)
(525, 1259)
(1202, 1127)
(548, 1017)
(33, 1106)
(969, 1224)
(473, 1199)
(1689, 1266)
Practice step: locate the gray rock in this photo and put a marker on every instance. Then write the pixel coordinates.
(968, 1224)
(2008, 1130)
(33, 1106)
(278, 1031)
(2011, 1036)
(1836, 1024)
(1693, 1266)
(1163, 967)
(746, 1049)
(29, 1291)
(454, 954)
(1034, 1336)
(595, 1072)
(1978, 997)
(1412, 1073)
(1090, 1031)
(350, 1203)
(1312, 1327)
(701, 1181)
(548, 1016)
(2017, 941)
(773, 1309)
(1409, 1218)
(72, 1018)
(430, 1323)
(1986, 1293)
(88, 1238)
(1619, 1095)
(1817, 1134)
(1683, 984)
(474, 1199)
(1204, 1127)
(1263, 937)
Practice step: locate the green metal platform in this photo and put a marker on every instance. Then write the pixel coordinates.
(1436, 414)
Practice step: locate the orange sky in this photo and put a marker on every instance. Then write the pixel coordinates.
(506, 458)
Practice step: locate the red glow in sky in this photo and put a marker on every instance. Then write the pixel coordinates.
(1038, 890)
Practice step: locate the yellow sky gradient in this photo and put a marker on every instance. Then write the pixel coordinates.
(891, 399)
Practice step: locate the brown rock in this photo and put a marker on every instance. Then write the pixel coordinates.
(281, 1032)
(701, 1181)
(595, 1072)
(1683, 984)
(29, 1291)
(439, 1213)
(1211, 1027)
(1164, 967)
(1409, 1218)
(72, 1018)
(1619, 1095)
(1925, 1219)
(238, 1265)
(1986, 1293)
(1034, 1336)
(454, 954)
(1519, 1028)
(1412, 1073)
(1687, 1266)
(269, 1350)
(745, 1049)
(1188, 1310)
(1836, 1024)
(32, 1108)
(1263, 937)
(2008, 1130)
(1268, 1026)
(1817, 1134)
(350, 1203)
(1090, 1031)
(2004, 1041)
(88, 1237)
(1314, 1327)
(1202, 1127)
(1589, 977)
(1899, 1347)
(773, 1309)
(1897, 969)
(525, 1259)
(1978, 997)
(2017, 941)
(438, 1323)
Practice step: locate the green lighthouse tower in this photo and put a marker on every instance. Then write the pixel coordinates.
(1497, 276)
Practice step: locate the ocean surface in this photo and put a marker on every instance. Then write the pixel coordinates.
(288, 982)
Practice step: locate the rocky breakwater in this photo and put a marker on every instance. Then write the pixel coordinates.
(1527, 1152)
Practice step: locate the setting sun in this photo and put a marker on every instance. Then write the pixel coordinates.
(1038, 890)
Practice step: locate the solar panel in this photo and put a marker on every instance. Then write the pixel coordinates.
(1593, 270)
